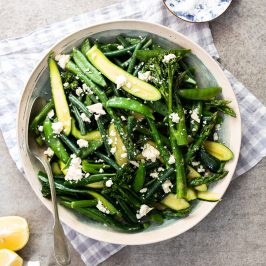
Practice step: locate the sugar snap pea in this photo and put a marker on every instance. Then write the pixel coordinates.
(139, 178)
(54, 142)
(199, 94)
(130, 104)
(85, 46)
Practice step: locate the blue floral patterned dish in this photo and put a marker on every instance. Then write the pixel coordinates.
(197, 10)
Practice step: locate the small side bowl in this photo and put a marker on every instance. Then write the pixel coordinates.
(201, 13)
(208, 73)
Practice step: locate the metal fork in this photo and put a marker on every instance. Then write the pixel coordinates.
(60, 244)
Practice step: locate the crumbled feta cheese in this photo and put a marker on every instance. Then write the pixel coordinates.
(218, 127)
(65, 84)
(79, 91)
(57, 127)
(85, 118)
(96, 108)
(49, 152)
(112, 133)
(143, 211)
(109, 183)
(110, 141)
(62, 60)
(160, 169)
(86, 89)
(215, 136)
(171, 159)
(143, 190)
(154, 174)
(204, 122)
(120, 47)
(99, 161)
(168, 57)
(101, 208)
(150, 153)
(113, 150)
(146, 76)
(87, 174)
(134, 163)
(200, 169)
(120, 81)
(174, 117)
(195, 115)
(101, 170)
(51, 114)
(167, 185)
(82, 143)
(74, 171)
(124, 155)
(195, 163)
(40, 128)
(96, 117)
(123, 118)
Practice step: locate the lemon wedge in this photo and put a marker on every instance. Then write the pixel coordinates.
(10, 258)
(14, 232)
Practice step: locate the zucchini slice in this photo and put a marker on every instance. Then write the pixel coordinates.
(209, 161)
(59, 97)
(209, 196)
(108, 205)
(192, 173)
(191, 194)
(202, 188)
(171, 201)
(218, 150)
(117, 145)
(132, 85)
(93, 135)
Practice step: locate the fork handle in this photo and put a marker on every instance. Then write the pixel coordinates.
(60, 244)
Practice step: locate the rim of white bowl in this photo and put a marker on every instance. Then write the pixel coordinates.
(159, 233)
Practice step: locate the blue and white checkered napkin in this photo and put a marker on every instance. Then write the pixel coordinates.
(18, 56)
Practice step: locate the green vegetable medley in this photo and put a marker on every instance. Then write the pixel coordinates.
(132, 140)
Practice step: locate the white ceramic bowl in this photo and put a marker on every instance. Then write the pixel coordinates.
(209, 73)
